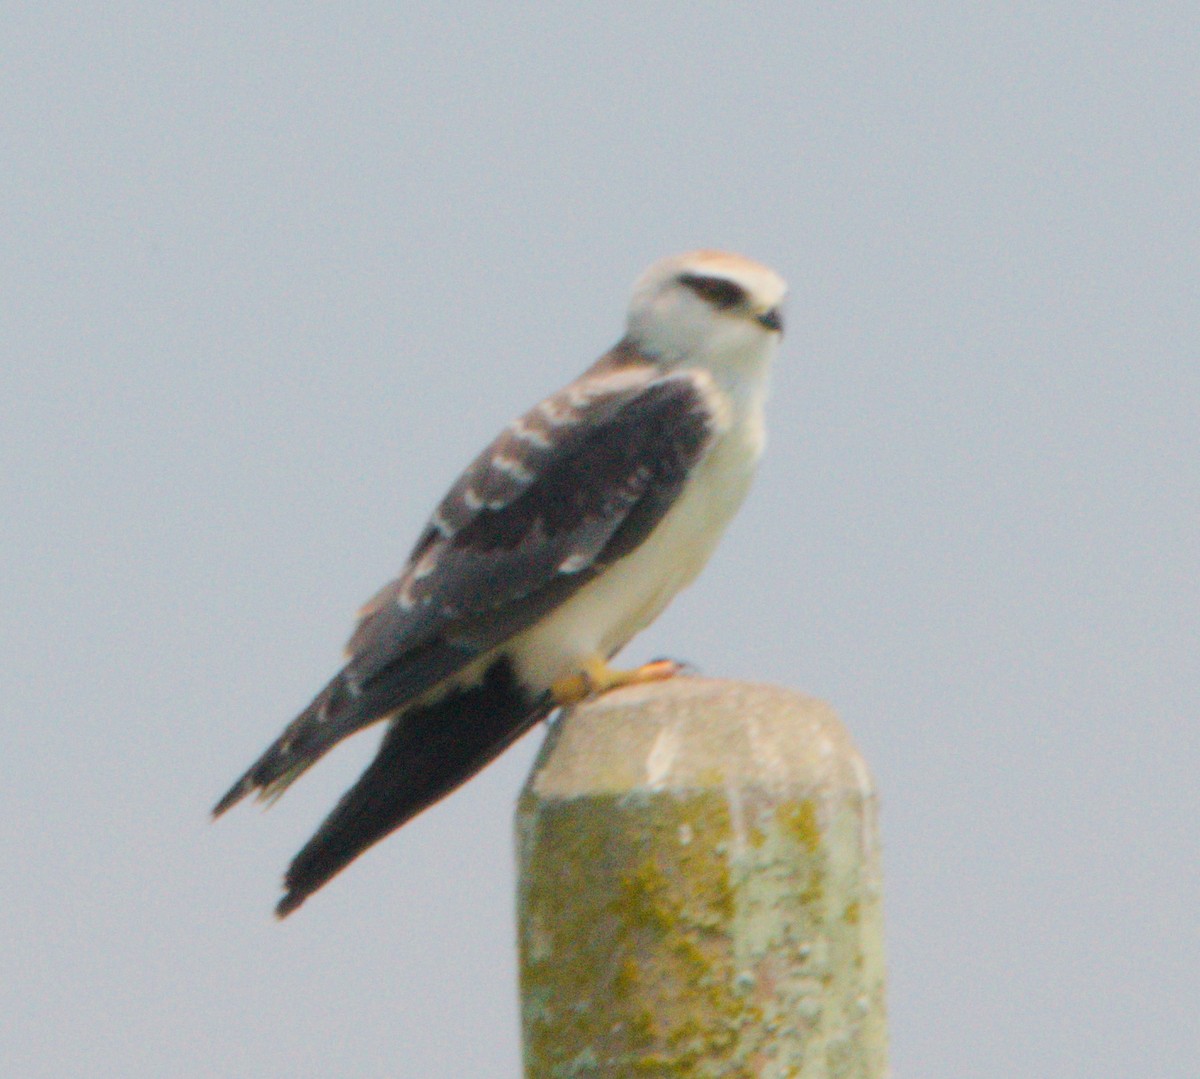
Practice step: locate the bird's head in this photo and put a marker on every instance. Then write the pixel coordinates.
(707, 307)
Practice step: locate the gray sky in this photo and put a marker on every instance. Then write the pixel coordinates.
(270, 274)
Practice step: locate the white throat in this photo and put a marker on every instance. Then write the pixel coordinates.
(736, 353)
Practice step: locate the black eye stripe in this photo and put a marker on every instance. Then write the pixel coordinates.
(716, 290)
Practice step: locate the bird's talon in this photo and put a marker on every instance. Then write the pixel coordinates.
(598, 677)
(681, 666)
(657, 671)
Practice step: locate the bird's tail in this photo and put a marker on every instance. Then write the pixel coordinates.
(427, 752)
(335, 713)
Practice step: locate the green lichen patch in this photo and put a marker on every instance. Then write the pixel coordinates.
(625, 914)
(800, 820)
(688, 936)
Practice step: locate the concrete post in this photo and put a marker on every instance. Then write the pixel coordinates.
(700, 890)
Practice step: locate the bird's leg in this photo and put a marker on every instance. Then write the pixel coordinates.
(596, 677)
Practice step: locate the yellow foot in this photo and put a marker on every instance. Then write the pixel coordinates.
(598, 677)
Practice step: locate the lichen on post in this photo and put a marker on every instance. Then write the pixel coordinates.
(699, 890)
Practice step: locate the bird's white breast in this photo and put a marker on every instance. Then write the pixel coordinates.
(603, 615)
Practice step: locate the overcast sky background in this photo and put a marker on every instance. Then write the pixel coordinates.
(271, 274)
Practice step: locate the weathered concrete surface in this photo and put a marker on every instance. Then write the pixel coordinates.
(700, 890)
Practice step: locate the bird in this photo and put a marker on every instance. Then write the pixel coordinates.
(565, 537)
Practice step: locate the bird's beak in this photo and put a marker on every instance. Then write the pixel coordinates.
(772, 320)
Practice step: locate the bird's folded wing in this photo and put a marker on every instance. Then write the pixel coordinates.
(569, 488)
(573, 485)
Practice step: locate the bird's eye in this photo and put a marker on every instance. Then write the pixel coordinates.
(718, 291)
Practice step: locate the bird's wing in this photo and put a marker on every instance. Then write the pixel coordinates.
(567, 489)
(574, 484)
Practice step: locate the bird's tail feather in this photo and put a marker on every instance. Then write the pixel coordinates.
(428, 752)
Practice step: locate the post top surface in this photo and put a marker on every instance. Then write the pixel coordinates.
(691, 733)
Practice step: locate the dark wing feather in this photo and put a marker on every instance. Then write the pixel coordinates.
(547, 516)
(576, 483)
